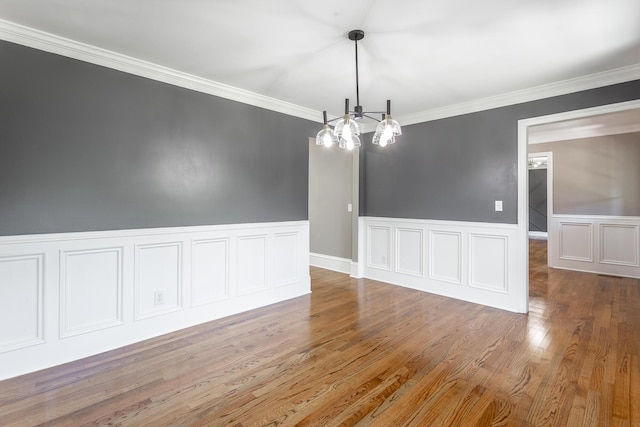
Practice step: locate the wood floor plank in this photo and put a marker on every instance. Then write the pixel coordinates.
(365, 353)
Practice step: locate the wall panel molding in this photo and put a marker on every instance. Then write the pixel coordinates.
(489, 262)
(575, 240)
(96, 290)
(21, 301)
(596, 244)
(379, 247)
(285, 263)
(445, 256)
(90, 290)
(475, 262)
(252, 264)
(409, 257)
(209, 271)
(619, 244)
(158, 278)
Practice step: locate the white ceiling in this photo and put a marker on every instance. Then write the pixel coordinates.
(421, 54)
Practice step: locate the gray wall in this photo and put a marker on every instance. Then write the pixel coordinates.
(84, 147)
(538, 200)
(330, 190)
(596, 176)
(454, 168)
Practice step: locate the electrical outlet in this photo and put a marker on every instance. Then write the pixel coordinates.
(498, 205)
(158, 298)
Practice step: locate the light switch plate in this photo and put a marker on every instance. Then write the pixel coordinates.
(349, 207)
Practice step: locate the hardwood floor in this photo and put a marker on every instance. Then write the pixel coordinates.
(359, 352)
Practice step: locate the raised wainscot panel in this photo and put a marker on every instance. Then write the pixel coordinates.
(285, 259)
(252, 264)
(90, 290)
(409, 251)
(158, 279)
(21, 301)
(379, 247)
(575, 241)
(619, 244)
(488, 262)
(209, 271)
(445, 256)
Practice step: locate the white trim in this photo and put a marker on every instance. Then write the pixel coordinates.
(48, 42)
(600, 252)
(542, 235)
(357, 270)
(597, 217)
(523, 176)
(140, 232)
(442, 223)
(590, 81)
(485, 277)
(341, 265)
(54, 340)
(38, 314)
(457, 280)
(538, 235)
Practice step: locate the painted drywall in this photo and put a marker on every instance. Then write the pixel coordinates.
(538, 200)
(83, 147)
(596, 176)
(456, 168)
(330, 190)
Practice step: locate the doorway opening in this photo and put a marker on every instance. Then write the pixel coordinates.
(571, 240)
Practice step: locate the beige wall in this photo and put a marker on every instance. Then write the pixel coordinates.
(330, 190)
(596, 176)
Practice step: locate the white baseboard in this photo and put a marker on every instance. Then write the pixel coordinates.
(356, 271)
(143, 283)
(538, 235)
(341, 265)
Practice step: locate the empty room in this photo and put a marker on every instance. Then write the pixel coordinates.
(375, 213)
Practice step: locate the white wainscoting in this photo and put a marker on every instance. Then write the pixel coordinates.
(476, 262)
(596, 244)
(71, 295)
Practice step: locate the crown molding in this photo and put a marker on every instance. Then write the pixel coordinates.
(47, 42)
(591, 81)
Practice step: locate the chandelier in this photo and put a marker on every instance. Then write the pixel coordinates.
(346, 132)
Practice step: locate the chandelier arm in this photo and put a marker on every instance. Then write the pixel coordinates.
(370, 117)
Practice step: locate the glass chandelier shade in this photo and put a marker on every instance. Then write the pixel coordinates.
(326, 136)
(347, 132)
(387, 129)
(386, 132)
